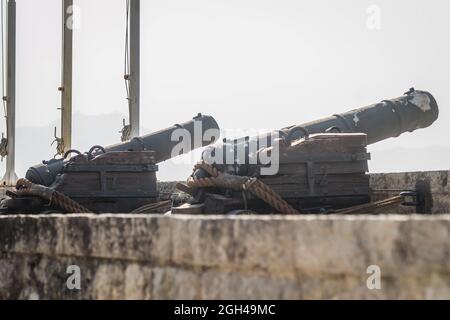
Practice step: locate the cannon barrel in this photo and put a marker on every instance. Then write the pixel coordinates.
(389, 118)
(161, 142)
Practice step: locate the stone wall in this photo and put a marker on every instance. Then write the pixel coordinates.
(193, 257)
(436, 180)
(219, 257)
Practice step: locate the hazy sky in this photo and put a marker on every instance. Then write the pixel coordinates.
(249, 63)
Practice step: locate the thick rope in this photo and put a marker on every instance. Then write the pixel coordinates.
(367, 207)
(26, 188)
(227, 181)
(213, 172)
(67, 204)
(152, 207)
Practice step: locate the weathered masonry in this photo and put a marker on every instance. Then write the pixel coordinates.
(219, 257)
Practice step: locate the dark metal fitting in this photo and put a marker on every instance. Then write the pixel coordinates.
(409, 194)
(333, 129)
(68, 152)
(290, 136)
(94, 148)
(411, 90)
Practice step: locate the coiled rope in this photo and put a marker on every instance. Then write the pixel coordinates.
(227, 181)
(25, 187)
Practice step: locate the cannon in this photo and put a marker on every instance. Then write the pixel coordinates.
(389, 118)
(160, 142)
(321, 166)
(118, 178)
(413, 110)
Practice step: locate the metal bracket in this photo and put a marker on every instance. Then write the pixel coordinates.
(59, 144)
(412, 195)
(126, 132)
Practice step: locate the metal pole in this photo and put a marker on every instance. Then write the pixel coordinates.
(134, 66)
(66, 86)
(10, 177)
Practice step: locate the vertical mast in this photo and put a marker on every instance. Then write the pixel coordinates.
(134, 66)
(66, 86)
(10, 177)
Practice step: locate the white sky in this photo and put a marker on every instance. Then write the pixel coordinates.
(249, 63)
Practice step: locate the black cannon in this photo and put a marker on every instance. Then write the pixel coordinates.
(389, 118)
(321, 165)
(118, 178)
(160, 142)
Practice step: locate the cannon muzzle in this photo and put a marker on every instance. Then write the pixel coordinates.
(389, 118)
